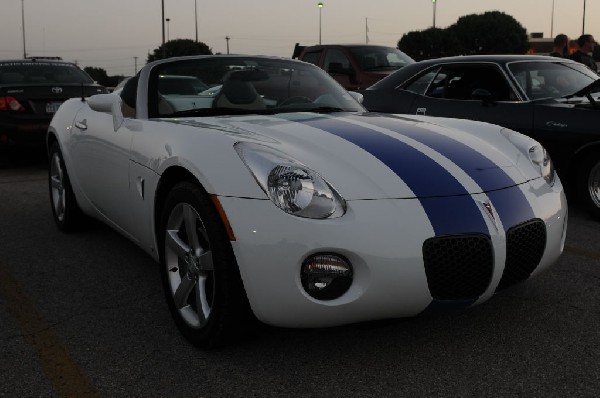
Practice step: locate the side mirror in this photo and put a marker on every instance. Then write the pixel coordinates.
(481, 94)
(107, 103)
(357, 96)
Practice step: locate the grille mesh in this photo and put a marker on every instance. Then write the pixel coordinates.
(525, 245)
(458, 267)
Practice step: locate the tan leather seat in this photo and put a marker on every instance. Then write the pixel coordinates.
(238, 94)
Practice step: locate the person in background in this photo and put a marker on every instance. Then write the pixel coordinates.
(561, 46)
(582, 55)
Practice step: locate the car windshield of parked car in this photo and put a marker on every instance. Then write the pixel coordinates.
(551, 79)
(37, 72)
(244, 85)
(375, 58)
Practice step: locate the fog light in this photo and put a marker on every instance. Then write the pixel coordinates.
(326, 276)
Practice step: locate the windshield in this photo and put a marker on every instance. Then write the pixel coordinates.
(540, 79)
(380, 58)
(243, 85)
(38, 72)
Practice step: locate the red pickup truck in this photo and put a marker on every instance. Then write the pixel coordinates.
(354, 66)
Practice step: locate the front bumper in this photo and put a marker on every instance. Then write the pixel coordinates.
(383, 240)
(23, 131)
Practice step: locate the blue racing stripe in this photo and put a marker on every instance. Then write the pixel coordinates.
(509, 201)
(449, 215)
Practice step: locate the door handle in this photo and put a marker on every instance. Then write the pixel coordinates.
(81, 125)
(421, 111)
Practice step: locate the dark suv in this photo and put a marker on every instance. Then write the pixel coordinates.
(31, 90)
(354, 66)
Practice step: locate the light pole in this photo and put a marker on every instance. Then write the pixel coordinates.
(320, 5)
(552, 21)
(583, 26)
(23, 21)
(227, 40)
(196, 18)
(162, 23)
(168, 20)
(434, 7)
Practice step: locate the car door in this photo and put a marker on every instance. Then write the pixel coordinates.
(100, 157)
(340, 67)
(471, 91)
(564, 129)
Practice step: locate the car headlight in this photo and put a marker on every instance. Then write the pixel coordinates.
(540, 158)
(291, 185)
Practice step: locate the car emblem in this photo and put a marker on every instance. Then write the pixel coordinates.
(489, 210)
(57, 90)
(556, 124)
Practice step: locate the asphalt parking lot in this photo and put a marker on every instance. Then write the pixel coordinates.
(84, 315)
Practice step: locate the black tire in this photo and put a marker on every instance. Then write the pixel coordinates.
(588, 184)
(66, 212)
(201, 279)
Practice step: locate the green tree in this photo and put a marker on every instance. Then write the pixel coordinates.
(493, 32)
(98, 74)
(429, 43)
(178, 48)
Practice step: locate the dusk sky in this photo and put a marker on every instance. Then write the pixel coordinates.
(110, 33)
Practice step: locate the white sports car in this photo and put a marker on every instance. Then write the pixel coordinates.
(274, 195)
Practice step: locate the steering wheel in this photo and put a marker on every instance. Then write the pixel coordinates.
(295, 100)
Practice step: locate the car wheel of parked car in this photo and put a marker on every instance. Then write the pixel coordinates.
(65, 210)
(201, 278)
(589, 184)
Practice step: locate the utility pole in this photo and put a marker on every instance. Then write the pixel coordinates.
(367, 30)
(135, 65)
(434, 7)
(227, 40)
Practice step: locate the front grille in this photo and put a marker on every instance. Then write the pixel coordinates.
(458, 267)
(525, 245)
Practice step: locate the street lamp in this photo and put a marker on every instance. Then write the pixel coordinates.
(196, 18)
(583, 27)
(162, 22)
(434, 7)
(552, 21)
(168, 20)
(320, 5)
(23, 21)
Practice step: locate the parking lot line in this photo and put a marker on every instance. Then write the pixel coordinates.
(60, 368)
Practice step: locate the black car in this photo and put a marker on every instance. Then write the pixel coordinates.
(552, 100)
(31, 90)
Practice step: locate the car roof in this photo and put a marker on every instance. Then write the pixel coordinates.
(36, 60)
(407, 71)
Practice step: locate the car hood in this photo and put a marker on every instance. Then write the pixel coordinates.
(373, 156)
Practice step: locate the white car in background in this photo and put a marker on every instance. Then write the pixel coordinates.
(276, 196)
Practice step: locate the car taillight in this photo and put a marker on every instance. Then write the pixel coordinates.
(10, 104)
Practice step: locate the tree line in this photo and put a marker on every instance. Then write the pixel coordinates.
(492, 32)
